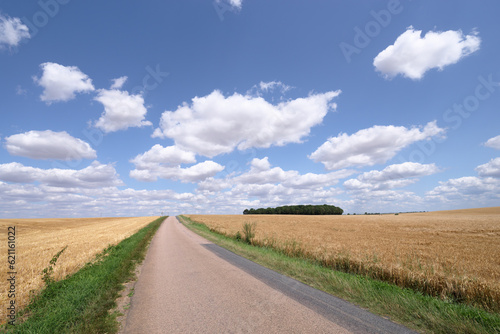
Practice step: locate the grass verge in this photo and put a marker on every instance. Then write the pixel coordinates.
(413, 309)
(80, 303)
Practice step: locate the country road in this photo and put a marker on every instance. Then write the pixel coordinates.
(189, 285)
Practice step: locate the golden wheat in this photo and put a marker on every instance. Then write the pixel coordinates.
(446, 252)
(38, 240)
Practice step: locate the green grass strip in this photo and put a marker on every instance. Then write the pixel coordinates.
(420, 312)
(81, 303)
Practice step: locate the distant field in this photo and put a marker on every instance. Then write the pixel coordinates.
(434, 248)
(38, 240)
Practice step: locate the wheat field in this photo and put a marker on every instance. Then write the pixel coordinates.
(38, 240)
(436, 248)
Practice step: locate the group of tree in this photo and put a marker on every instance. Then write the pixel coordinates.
(296, 210)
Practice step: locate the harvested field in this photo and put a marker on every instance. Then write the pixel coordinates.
(445, 253)
(38, 240)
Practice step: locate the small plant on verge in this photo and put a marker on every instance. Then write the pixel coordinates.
(47, 272)
(249, 232)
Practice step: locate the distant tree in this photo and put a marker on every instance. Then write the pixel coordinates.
(297, 210)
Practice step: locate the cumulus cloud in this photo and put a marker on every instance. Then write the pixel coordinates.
(212, 185)
(383, 201)
(470, 191)
(393, 176)
(118, 83)
(399, 171)
(261, 173)
(39, 200)
(265, 185)
(358, 185)
(94, 176)
(492, 168)
(214, 124)
(121, 110)
(165, 162)
(49, 145)
(12, 31)
(18, 173)
(236, 4)
(60, 83)
(412, 55)
(493, 143)
(465, 186)
(259, 195)
(367, 147)
(198, 172)
(170, 155)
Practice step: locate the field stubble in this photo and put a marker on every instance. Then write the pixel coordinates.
(451, 254)
(38, 240)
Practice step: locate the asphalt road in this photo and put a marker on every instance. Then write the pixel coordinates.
(190, 285)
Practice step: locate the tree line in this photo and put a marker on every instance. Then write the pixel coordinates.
(296, 210)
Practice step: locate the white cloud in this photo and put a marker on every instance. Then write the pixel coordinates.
(493, 143)
(312, 180)
(12, 31)
(264, 185)
(18, 173)
(267, 86)
(212, 185)
(121, 110)
(399, 171)
(491, 168)
(355, 184)
(164, 162)
(214, 124)
(383, 201)
(236, 4)
(470, 191)
(367, 147)
(412, 56)
(196, 173)
(64, 195)
(60, 82)
(118, 83)
(393, 176)
(264, 88)
(465, 186)
(261, 173)
(33, 201)
(170, 155)
(269, 195)
(49, 145)
(96, 175)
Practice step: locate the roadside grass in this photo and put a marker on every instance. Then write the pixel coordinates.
(81, 303)
(411, 308)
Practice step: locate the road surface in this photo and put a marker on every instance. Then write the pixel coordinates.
(190, 285)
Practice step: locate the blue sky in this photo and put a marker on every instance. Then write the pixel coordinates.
(121, 108)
